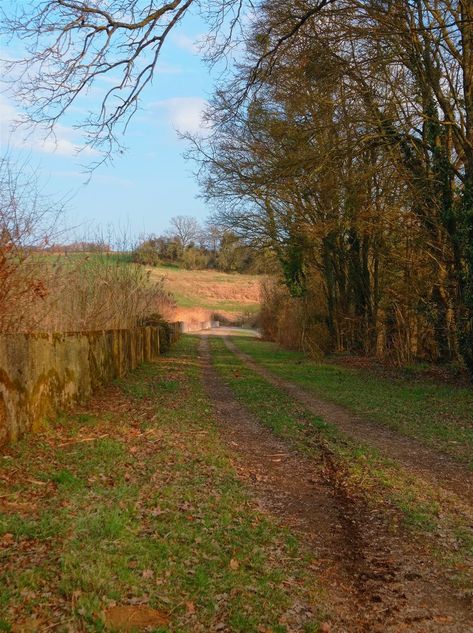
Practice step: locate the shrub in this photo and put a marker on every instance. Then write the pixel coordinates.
(101, 292)
(293, 321)
(195, 259)
(27, 223)
(45, 291)
(146, 254)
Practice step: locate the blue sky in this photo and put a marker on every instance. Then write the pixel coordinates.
(151, 182)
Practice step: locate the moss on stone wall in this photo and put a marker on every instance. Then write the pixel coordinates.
(41, 374)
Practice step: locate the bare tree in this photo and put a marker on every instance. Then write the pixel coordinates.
(186, 229)
(28, 222)
(70, 45)
(213, 235)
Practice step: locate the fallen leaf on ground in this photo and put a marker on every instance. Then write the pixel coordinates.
(27, 626)
(129, 618)
(7, 538)
(234, 564)
(38, 483)
(190, 607)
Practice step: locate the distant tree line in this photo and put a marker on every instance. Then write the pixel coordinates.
(194, 247)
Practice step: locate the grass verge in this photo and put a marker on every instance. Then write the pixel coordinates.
(444, 522)
(439, 415)
(132, 502)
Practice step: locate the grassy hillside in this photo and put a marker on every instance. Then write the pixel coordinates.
(200, 293)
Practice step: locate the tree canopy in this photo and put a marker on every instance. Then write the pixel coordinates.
(350, 154)
(341, 140)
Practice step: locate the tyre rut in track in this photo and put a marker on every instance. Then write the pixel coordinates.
(376, 580)
(434, 466)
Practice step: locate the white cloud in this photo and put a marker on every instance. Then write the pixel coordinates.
(168, 69)
(63, 142)
(185, 114)
(190, 44)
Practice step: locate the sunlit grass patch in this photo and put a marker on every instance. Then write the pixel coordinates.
(135, 502)
(440, 415)
(200, 293)
(422, 508)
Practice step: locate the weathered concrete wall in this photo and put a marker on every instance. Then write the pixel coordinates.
(41, 374)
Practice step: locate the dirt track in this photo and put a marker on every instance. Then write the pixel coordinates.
(428, 463)
(377, 580)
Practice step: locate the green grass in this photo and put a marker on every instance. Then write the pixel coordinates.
(439, 415)
(134, 500)
(422, 509)
(92, 259)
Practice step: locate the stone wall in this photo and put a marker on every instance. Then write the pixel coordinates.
(41, 374)
(197, 326)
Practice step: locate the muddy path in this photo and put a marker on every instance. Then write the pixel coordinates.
(375, 580)
(431, 465)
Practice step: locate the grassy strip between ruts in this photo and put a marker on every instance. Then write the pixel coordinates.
(133, 501)
(438, 414)
(444, 521)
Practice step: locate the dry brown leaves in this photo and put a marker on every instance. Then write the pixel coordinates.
(132, 618)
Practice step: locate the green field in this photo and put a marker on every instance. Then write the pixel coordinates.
(199, 293)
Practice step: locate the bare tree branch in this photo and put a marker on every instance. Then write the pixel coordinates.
(71, 46)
